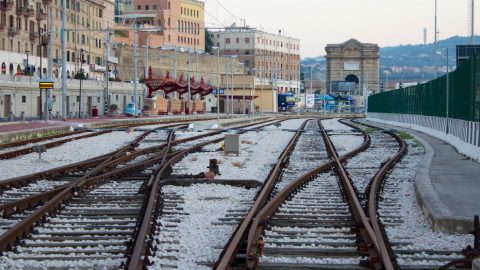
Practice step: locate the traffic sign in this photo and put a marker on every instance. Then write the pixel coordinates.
(45, 83)
(222, 91)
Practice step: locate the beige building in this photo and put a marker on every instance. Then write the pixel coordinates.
(24, 32)
(182, 24)
(272, 58)
(355, 62)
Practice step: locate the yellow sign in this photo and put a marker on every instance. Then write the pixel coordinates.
(45, 85)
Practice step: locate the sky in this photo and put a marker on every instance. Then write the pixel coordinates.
(320, 22)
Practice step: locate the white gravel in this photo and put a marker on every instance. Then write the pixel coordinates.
(400, 200)
(334, 124)
(259, 151)
(346, 143)
(65, 154)
(288, 124)
(187, 237)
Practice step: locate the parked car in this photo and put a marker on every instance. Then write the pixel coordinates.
(130, 110)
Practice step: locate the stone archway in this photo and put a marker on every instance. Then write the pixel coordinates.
(4, 68)
(352, 78)
(10, 69)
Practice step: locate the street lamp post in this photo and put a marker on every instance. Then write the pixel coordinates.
(226, 82)
(81, 77)
(188, 82)
(218, 83)
(233, 82)
(27, 68)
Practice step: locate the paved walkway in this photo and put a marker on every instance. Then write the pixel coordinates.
(447, 184)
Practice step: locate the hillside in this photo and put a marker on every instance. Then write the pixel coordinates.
(415, 56)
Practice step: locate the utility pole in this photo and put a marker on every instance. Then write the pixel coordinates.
(233, 83)
(50, 74)
(188, 82)
(135, 71)
(64, 59)
(472, 22)
(447, 112)
(106, 95)
(226, 82)
(435, 35)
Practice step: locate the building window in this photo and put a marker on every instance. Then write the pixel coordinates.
(98, 99)
(24, 99)
(147, 7)
(227, 40)
(139, 7)
(247, 40)
(155, 7)
(237, 40)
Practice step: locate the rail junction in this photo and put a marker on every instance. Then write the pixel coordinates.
(304, 193)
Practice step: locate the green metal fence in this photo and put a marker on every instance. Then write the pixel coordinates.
(431, 98)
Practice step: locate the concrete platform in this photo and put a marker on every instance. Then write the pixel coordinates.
(447, 185)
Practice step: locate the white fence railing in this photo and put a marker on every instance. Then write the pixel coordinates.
(463, 135)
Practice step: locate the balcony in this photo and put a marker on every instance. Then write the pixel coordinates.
(45, 39)
(6, 5)
(20, 10)
(46, 2)
(41, 15)
(13, 31)
(29, 12)
(33, 36)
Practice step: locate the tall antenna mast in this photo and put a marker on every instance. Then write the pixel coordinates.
(424, 36)
(435, 35)
(472, 21)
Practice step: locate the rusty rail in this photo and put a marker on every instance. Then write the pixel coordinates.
(386, 252)
(230, 250)
(141, 245)
(266, 212)
(41, 139)
(28, 150)
(60, 196)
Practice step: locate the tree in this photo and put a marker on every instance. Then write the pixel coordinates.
(208, 42)
(80, 75)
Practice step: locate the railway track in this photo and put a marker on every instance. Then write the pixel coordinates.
(143, 243)
(409, 244)
(25, 147)
(108, 172)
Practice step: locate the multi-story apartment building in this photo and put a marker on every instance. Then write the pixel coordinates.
(181, 23)
(25, 34)
(272, 58)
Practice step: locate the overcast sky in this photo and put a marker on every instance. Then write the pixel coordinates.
(320, 22)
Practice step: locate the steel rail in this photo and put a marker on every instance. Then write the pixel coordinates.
(11, 236)
(28, 150)
(386, 252)
(141, 245)
(267, 211)
(230, 250)
(106, 162)
(40, 139)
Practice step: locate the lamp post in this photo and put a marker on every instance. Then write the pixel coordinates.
(80, 75)
(27, 68)
(233, 81)
(145, 73)
(188, 82)
(218, 82)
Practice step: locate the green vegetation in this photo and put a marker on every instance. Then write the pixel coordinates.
(120, 33)
(208, 42)
(370, 130)
(404, 135)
